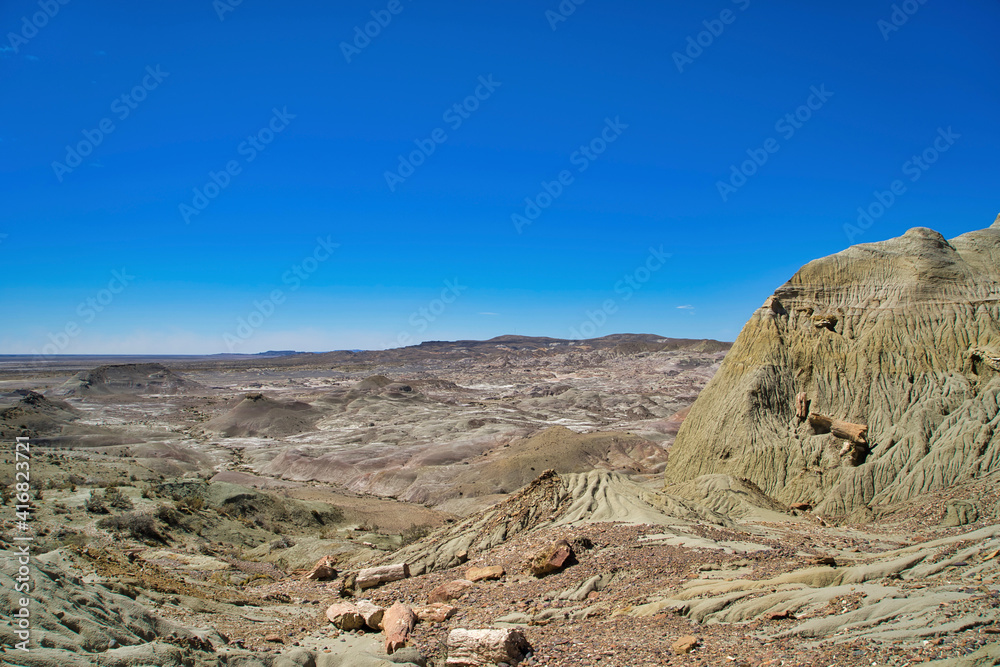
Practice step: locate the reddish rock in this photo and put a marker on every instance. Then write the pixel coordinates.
(802, 507)
(323, 570)
(274, 638)
(481, 573)
(397, 623)
(345, 616)
(685, 644)
(551, 559)
(435, 613)
(449, 591)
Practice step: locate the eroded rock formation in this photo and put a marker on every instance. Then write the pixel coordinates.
(901, 336)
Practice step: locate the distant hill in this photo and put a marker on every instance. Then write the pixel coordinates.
(127, 379)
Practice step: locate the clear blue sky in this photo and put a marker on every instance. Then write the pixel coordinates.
(181, 91)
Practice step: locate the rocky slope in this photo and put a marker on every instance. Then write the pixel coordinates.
(901, 337)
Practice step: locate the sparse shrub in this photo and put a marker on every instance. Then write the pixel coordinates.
(168, 515)
(114, 497)
(38, 495)
(139, 525)
(95, 503)
(147, 493)
(283, 543)
(413, 534)
(189, 503)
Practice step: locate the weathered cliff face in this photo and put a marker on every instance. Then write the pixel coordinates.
(902, 336)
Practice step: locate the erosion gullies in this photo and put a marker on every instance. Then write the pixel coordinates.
(553, 500)
(902, 336)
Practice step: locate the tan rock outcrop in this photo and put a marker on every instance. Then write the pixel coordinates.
(905, 341)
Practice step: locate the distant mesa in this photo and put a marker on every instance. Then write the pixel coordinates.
(872, 376)
(127, 379)
(256, 415)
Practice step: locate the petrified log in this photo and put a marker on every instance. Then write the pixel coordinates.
(373, 576)
(371, 612)
(437, 612)
(481, 573)
(856, 433)
(449, 591)
(485, 647)
(802, 405)
(397, 623)
(345, 616)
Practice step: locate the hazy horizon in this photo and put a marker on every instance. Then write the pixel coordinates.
(206, 177)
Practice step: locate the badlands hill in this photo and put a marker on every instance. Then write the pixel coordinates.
(107, 380)
(872, 376)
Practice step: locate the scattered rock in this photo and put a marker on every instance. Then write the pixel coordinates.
(435, 613)
(823, 560)
(685, 644)
(323, 570)
(481, 573)
(345, 616)
(471, 648)
(275, 639)
(551, 559)
(449, 591)
(397, 623)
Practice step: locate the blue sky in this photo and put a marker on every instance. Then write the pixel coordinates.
(199, 177)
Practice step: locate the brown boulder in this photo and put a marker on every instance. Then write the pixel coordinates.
(802, 507)
(481, 573)
(685, 644)
(323, 569)
(449, 591)
(551, 559)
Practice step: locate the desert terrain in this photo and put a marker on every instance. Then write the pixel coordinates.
(823, 491)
